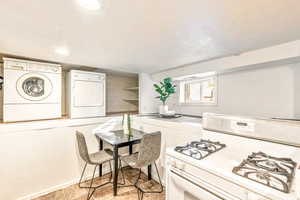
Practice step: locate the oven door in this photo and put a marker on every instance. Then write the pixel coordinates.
(182, 186)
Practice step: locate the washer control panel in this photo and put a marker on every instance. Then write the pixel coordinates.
(14, 64)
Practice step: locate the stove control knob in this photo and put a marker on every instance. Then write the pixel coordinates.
(171, 162)
(180, 165)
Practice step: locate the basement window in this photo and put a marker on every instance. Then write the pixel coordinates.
(199, 91)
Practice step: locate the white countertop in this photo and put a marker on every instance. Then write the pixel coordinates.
(53, 123)
(66, 122)
(183, 120)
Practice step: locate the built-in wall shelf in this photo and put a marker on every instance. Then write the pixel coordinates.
(132, 98)
(132, 88)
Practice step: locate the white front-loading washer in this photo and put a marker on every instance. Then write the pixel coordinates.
(32, 90)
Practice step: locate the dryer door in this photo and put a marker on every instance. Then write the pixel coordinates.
(34, 86)
(88, 93)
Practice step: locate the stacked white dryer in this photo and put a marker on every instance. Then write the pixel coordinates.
(85, 94)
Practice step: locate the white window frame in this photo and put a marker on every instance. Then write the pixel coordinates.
(195, 80)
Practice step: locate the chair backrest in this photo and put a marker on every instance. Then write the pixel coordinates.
(149, 150)
(82, 147)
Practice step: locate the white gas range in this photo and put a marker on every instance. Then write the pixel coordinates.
(237, 159)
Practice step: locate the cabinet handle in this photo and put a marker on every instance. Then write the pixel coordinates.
(77, 125)
(96, 123)
(42, 129)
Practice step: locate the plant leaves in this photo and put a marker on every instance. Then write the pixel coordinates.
(167, 80)
(155, 85)
(165, 89)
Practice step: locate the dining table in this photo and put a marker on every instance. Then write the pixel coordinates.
(118, 139)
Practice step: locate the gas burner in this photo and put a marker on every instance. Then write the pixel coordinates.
(200, 149)
(274, 172)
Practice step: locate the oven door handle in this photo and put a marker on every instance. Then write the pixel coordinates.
(189, 184)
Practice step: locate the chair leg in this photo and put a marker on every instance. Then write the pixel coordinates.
(91, 194)
(110, 178)
(82, 176)
(138, 193)
(137, 180)
(95, 187)
(161, 186)
(141, 192)
(122, 173)
(124, 181)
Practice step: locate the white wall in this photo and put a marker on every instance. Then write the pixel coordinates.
(147, 94)
(265, 92)
(262, 82)
(1, 94)
(297, 90)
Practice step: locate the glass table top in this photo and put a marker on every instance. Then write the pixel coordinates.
(119, 138)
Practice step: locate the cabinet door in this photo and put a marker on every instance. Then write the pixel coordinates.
(36, 160)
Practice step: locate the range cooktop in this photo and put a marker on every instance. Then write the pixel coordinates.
(274, 172)
(200, 149)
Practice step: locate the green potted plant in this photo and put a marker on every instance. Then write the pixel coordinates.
(165, 89)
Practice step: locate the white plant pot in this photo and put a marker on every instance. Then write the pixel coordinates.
(163, 109)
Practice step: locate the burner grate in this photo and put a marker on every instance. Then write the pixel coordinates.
(200, 149)
(273, 172)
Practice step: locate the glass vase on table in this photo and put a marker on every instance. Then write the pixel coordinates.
(126, 123)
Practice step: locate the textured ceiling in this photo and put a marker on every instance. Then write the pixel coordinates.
(144, 35)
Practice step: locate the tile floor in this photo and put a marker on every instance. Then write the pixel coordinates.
(73, 192)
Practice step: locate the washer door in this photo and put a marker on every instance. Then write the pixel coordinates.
(34, 86)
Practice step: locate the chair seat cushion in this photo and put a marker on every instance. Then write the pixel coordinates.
(131, 160)
(100, 157)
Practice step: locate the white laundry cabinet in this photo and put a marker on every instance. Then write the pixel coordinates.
(85, 94)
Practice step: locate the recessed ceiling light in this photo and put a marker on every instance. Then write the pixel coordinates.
(90, 4)
(63, 51)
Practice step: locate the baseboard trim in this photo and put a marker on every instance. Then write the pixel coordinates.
(56, 187)
(49, 190)
(72, 182)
